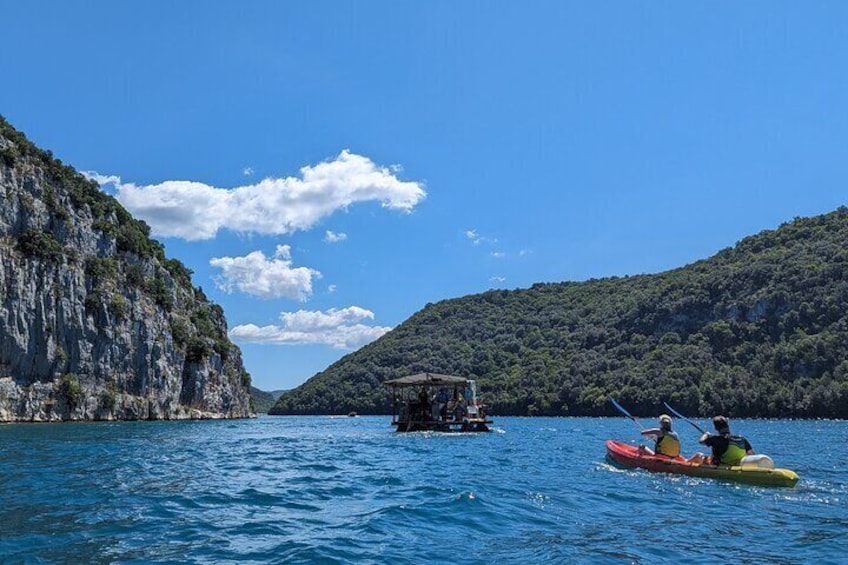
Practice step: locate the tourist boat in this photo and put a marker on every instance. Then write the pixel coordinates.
(760, 471)
(433, 402)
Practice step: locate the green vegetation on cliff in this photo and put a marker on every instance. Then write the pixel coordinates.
(132, 239)
(95, 321)
(757, 330)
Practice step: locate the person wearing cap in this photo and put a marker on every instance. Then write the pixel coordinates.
(727, 449)
(667, 442)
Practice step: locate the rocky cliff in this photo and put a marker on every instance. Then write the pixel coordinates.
(95, 322)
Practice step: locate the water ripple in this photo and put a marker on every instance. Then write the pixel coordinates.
(322, 490)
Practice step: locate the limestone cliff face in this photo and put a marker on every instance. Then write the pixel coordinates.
(95, 322)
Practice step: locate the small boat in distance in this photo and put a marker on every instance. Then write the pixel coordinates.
(433, 402)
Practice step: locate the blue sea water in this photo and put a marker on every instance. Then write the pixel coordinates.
(349, 490)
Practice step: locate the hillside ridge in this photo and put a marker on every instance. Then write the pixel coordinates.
(757, 330)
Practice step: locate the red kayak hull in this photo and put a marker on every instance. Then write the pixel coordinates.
(629, 456)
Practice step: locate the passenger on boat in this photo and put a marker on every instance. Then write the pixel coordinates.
(667, 442)
(442, 399)
(727, 449)
(460, 409)
(424, 404)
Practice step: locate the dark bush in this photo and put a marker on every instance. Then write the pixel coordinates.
(40, 245)
(119, 307)
(197, 350)
(179, 331)
(160, 293)
(103, 268)
(108, 400)
(70, 389)
(134, 274)
(9, 155)
(180, 272)
(93, 302)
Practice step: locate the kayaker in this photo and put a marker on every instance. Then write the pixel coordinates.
(727, 449)
(667, 442)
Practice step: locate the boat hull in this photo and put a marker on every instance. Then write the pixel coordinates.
(437, 426)
(629, 456)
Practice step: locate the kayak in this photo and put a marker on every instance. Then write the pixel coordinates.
(629, 456)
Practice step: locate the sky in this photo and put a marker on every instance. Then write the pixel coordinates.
(327, 169)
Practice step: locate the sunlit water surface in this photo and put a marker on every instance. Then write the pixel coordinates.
(349, 490)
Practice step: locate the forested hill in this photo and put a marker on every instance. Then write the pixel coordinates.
(758, 330)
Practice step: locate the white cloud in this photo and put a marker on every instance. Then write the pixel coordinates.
(259, 276)
(333, 237)
(272, 206)
(498, 254)
(477, 239)
(247, 171)
(331, 288)
(337, 328)
(102, 179)
(497, 279)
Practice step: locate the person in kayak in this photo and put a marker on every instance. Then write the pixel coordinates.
(667, 442)
(727, 449)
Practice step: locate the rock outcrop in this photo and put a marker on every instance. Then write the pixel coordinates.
(95, 322)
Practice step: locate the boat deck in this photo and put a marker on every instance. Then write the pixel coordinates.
(435, 402)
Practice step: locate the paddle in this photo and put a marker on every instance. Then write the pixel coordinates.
(682, 417)
(626, 413)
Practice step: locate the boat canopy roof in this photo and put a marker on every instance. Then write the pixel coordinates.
(426, 379)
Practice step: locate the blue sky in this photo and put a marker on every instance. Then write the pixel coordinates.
(328, 168)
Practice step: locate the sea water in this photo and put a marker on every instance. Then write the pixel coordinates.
(350, 490)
